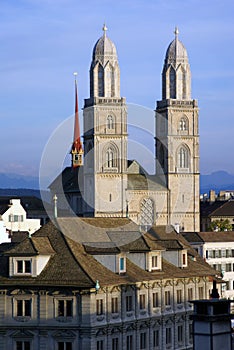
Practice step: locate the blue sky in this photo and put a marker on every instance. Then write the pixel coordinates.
(44, 41)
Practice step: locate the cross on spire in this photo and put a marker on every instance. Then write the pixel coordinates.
(176, 32)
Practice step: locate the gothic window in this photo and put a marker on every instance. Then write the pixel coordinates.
(146, 212)
(183, 125)
(180, 84)
(110, 122)
(100, 81)
(112, 82)
(109, 158)
(183, 157)
(172, 83)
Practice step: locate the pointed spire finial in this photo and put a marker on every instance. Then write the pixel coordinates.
(76, 150)
(176, 32)
(104, 28)
(75, 75)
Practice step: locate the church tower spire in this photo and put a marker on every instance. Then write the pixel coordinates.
(176, 76)
(76, 150)
(104, 69)
(177, 139)
(105, 135)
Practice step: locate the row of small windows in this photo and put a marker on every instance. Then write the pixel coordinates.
(130, 340)
(221, 253)
(223, 267)
(156, 300)
(64, 307)
(143, 339)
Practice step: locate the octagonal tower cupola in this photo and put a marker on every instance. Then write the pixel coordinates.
(104, 70)
(176, 75)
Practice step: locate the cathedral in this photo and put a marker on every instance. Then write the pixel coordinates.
(102, 182)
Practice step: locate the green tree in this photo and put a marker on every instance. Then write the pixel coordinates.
(220, 225)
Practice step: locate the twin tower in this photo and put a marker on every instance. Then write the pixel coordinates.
(111, 185)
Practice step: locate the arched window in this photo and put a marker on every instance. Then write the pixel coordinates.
(100, 81)
(183, 157)
(183, 125)
(147, 212)
(172, 83)
(112, 82)
(109, 158)
(110, 122)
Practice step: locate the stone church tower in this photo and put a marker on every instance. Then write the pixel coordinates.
(110, 185)
(177, 139)
(105, 135)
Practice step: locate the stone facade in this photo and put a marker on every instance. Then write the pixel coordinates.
(76, 298)
(111, 186)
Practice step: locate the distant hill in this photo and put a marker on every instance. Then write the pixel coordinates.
(18, 181)
(29, 185)
(24, 192)
(218, 180)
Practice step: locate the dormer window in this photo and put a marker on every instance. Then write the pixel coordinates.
(122, 265)
(23, 266)
(184, 259)
(154, 261)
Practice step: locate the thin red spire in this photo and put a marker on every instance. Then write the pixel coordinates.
(77, 145)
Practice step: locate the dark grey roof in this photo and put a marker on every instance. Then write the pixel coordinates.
(193, 237)
(72, 266)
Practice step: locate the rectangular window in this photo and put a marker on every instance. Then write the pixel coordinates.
(114, 305)
(99, 306)
(65, 345)
(23, 345)
(190, 294)
(228, 267)
(179, 296)
(155, 299)
(156, 338)
(129, 341)
(121, 264)
(23, 307)
(184, 262)
(15, 218)
(168, 336)
(115, 343)
(143, 340)
(128, 303)
(180, 335)
(154, 262)
(200, 292)
(65, 308)
(167, 298)
(142, 301)
(23, 266)
(100, 345)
